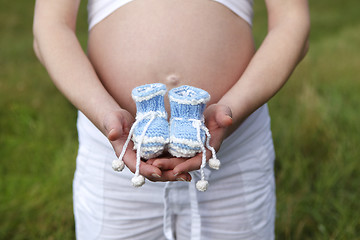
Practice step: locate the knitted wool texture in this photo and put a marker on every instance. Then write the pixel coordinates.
(187, 107)
(150, 131)
(186, 136)
(188, 133)
(150, 103)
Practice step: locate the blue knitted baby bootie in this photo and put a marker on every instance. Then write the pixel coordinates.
(150, 131)
(188, 133)
(187, 107)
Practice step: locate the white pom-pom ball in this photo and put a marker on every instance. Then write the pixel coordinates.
(118, 165)
(202, 185)
(138, 181)
(214, 163)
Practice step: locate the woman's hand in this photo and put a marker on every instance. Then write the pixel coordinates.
(217, 119)
(117, 126)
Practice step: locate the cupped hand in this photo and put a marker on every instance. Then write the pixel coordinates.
(117, 126)
(217, 119)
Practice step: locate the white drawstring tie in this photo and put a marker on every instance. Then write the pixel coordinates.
(214, 163)
(118, 164)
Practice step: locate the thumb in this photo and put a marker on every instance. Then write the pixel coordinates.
(114, 134)
(117, 125)
(224, 116)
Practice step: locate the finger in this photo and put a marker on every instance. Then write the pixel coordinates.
(114, 134)
(169, 176)
(223, 116)
(164, 156)
(218, 115)
(118, 132)
(149, 171)
(150, 161)
(224, 120)
(189, 165)
(167, 163)
(145, 169)
(117, 124)
(118, 146)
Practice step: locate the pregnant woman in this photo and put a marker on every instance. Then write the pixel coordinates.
(207, 44)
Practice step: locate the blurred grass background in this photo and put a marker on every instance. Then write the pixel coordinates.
(315, 122)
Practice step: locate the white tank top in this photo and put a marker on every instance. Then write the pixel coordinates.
(100, 9)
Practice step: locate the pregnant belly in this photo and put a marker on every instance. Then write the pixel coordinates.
(199, 43)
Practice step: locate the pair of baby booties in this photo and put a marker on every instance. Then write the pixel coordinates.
(152, 134)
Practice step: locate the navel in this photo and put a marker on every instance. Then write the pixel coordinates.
(172, 80)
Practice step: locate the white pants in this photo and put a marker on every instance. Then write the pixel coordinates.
(239, 202)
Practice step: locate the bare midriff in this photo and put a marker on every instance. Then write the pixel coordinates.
(176, 42)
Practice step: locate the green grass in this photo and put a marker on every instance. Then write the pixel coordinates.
(315, 122)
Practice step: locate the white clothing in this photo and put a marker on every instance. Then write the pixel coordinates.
(239, 202)
(100, 9)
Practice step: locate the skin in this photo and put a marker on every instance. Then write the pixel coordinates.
(126, 51)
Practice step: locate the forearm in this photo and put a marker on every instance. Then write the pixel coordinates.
(270, 67)
(58, 49)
